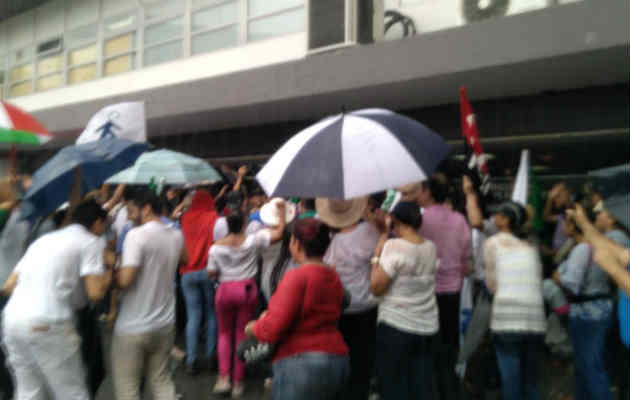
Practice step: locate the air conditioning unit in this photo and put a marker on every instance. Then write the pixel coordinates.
(339, 23)
(50, 47)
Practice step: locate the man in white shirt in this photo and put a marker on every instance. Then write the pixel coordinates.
(47, 285)
(145, 329)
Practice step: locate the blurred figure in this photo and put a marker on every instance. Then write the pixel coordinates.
(311, 359)
(349, 254)
(234, 261)
(590, 316)
(403, 276)
(452, 236)
(514, 276)
(198, 226)
(46, 287)
(558, 200)
(144, 332)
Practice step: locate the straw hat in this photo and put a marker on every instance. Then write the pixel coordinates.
(340, 213)
(269, 212)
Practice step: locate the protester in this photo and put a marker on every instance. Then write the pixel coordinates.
(276, 259)
(145, 331)
(197, 226)
(47, 285)
(311, 359)
(514, 276)
(403, 276)
(306, 209)
(234, 260)
(477, 352)
(607, 223)
(349, 254)
(450, 233)
(558, 200)
(590, 316)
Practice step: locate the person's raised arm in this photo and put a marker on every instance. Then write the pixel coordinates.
(239, 180)
(473, 211)
(276, 233)
(610, 256)
(551, 196)
(131, 261)
(9, 285)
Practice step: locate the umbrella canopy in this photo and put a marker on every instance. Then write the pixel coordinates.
(52, 183)
(353, 154)
(18, 127)
(170, 166)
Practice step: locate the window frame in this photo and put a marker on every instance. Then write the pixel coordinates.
(179, 38)
(238, 23)
(249, 19)
(133, 29)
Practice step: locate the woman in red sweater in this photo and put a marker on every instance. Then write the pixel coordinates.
(311, 360)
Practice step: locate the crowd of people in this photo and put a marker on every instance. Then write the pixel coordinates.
(345, 299)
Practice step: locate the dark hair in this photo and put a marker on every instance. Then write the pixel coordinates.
(438, 189)
(128, 193)
(145, 197)
(314, 235)
(309, 204)
(235, 222)
(88, 212)
(515, 213)
(282, 262)
(408, 213)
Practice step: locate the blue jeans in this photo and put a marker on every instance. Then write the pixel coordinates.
(404, 364)
(519, 356)
(589, 345)
(198, 292)
(310, 376)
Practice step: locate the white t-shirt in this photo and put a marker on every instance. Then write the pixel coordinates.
(49, 276)
(349, 254)
(149, 303)
(409, 304)
(238, 263)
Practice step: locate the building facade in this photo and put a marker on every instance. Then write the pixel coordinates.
(235, 78)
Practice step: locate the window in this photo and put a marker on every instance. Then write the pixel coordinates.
(163, 31)
(119, 54)
(1, 79)
(222, 15)
(21, 73)
(215, 40)
(50, 82)
(82, 64)
(82, 74)
(266, 7)
(120, 22)
(83, 55)
(21, 89)
(49, 65)
(278, 24)
(163, 53)
(155, 9)
(163, 41)
(215, 27)
(83, 35)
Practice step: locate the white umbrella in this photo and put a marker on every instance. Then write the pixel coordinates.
(171, 167)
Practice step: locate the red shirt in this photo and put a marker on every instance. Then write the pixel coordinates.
(303, 313)
(197, 227)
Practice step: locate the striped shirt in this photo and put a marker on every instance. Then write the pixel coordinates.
(514, 275)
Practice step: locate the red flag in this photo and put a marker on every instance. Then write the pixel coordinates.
(473, 141)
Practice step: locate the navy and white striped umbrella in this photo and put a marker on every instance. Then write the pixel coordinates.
(353, 154)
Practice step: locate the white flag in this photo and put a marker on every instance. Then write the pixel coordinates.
(521, 186)
(123, 120)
